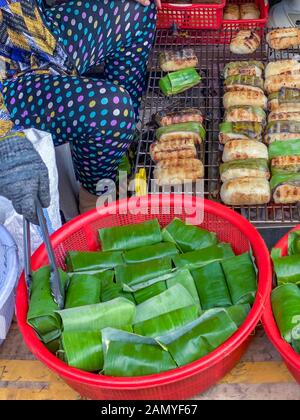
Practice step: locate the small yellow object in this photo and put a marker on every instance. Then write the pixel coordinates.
(141, 183)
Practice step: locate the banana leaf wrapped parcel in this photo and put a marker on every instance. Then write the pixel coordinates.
(286, 188)
(183, 131)
(84, 289)
(178, 60)
(179, 81)
(287, 269)
(149, 253)
(41, 314)
(246, 130)
(238, 313)
(188, 237)
(294, 243)
(88, 261)
(130, 236)
(256, 168)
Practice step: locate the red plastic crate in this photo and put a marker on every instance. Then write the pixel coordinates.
(263, 6)
(81, 234)
(290, 357)
(194, 16)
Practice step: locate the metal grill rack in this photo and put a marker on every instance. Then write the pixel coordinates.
(212, 49)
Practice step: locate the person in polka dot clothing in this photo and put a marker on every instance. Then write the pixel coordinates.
(96, 114)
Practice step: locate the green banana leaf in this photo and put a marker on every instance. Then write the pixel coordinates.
(133, 274)
(82, 350)
(287, 269)
(125, 164)
(179, 81)
(296, 340)
(131, 355)
(258, 164)
(241, 278)
(243, 64)
(211, 286)
(193, 127)
(286, 95)
(149, 290)
(199, 258)
(294, 243)
(287, 178)
(88, 261)
(41, 314)
(286, 309)
(188, 237)
(252, 130)
(116, 313)
(255, 109)
(283, 127)
(238, 313)
(284, 148)
(149, 253)
(111, 289)
(244, 80)
(199, 337)
(84, 289)
(53, 346)
(130, 236)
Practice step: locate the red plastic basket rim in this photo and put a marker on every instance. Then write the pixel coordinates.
(269, 322)
(186, 7)
(264, 288)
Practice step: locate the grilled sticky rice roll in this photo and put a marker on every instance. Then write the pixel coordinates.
(243, 81)
(231, 12)
(286, 188)
(164, 118)
(191, 164)
(246, 191)
(177, 149)
(283, 38)
(284, 116)
(282, 130)
(189, 130)
(245, 42)
(178, 60)
(245, 113)
(174, 175)
(245, 95)
(249, 11)
(244, 149)
(275, 68)
(245, 68)
(275, 83)
(285, 100)
(240, 130)
(285, 164)
(258, 168)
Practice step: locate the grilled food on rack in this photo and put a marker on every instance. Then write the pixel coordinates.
(285, 164)
(284, 116)
(164, 118)
(255, 168)
(245, 68)
(287, 67)
(179, 81)
(231, 12)
(245, 95)
(178, 60)
(282, 130)
(286, 100)
(183, 131)
(275, 83)
(241, 80)
(246, 191)
(244, 149)
(249, 11)
(286, 188)
(172, 150)
(281, 39)
(289, 149)
(178, 172)
(240, 130)
(245, 113)
(245, 42)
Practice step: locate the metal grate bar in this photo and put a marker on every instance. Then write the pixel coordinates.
(212, 49)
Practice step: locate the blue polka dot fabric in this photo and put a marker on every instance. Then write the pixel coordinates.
(97, 115)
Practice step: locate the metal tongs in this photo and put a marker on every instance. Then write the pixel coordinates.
(57, 291)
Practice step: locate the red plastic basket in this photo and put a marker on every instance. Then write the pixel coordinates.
(263, 6)
(194, 16)
(81, 234)
(290, 357)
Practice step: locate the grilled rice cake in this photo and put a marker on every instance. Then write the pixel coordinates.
(283, 38)
(244, 68)
(275, 68)
(178, 174)
(245, 42)
(286, 163)
(270, 138)
(164, 118)
(178, 60)
(246, 191)
(245, 113)
(249, 11)
(190, 164)
(180, 149)
(284, 116)
(286, 194)
(245, 95)
(275, 83)
(244, 149)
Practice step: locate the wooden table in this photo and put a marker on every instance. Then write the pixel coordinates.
(260, 375)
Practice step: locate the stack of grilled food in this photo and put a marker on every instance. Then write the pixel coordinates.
(245, 169)
(283, 130)
(180, 131)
